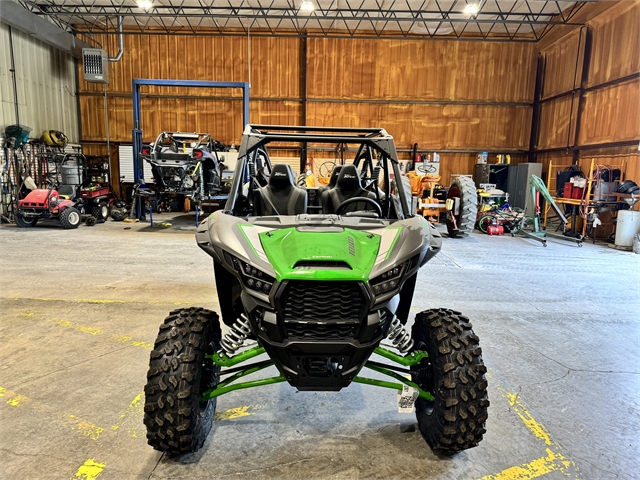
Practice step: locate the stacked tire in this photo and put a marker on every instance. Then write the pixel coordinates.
(462, 190)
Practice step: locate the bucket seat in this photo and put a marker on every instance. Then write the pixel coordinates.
(280, 196)
(332, 179)
(347, 186)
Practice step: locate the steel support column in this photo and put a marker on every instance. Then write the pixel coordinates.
(138, 173)
(535, 118)
(584, 81)
(303, 96)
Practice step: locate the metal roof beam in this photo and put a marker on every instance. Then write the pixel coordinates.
(21, 19)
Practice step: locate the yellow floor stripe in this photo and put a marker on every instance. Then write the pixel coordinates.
(132, 416)
(87, 429)
(553, 462)
(232, 413)
(134, 343)
(15, 400)
(73, 422)
(89, 470)
(100, 301)
(536, 428)
(96, 331)
(80, 328)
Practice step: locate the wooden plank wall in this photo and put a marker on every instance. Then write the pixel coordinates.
(591, 92)
(443, 95)
(275, 78)
(420, 70)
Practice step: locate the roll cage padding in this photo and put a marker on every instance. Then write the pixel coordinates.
(280, 196)
(347, 186)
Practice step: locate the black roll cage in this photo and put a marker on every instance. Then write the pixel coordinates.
(204, 139)
(256, 137)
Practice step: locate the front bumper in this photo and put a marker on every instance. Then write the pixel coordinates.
(314, 353)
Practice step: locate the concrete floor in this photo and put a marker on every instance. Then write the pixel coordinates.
(559, 327)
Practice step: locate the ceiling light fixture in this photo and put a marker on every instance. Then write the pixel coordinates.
(472, 9)
(145, 5)
(307, 6)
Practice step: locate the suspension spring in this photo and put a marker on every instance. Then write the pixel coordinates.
(238, 333)
(252, 168)
(399, 336)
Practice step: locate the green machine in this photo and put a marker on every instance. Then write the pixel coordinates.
(537, 233)
(316, 279)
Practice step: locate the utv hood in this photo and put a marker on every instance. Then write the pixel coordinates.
(335, 255)
(318, 247)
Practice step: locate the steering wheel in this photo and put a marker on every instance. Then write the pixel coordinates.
(326, 168)
(368, 200)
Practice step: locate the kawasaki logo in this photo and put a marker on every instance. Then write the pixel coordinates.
(349, 176)
(279, 174)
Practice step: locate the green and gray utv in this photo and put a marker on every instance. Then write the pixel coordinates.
(317, 279)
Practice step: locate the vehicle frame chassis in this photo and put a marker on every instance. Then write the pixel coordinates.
(228, 385)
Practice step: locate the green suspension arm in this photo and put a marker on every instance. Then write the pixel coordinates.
(412, 358)
(222, 360)
(382, 383)
(226, 386)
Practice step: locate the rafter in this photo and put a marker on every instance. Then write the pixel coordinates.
(517, 19)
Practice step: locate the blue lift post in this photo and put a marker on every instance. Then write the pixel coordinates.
(137, 128)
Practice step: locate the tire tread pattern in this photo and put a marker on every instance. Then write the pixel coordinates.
(175, 423)
(64, 218)
(25, 223)
(460, 410)
(469, 207)
(96, 211)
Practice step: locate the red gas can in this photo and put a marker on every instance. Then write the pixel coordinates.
(495, 229)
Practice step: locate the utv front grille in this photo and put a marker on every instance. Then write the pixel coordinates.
(322, 302)
(316, 331)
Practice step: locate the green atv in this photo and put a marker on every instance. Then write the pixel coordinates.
(316, 278)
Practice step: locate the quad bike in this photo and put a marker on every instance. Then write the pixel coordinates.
(318, 293)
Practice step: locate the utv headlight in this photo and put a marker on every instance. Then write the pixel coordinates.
(253, 278)
(390, 279)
